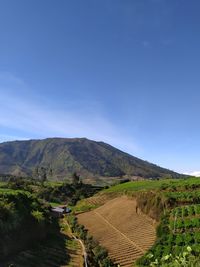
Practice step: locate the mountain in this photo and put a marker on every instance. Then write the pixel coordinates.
(61, 157)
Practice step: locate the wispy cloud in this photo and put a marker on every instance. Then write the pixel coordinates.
(19, 113)
(195, 173)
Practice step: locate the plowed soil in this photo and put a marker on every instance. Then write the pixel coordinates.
(125, 233)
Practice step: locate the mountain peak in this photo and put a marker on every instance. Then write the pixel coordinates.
(64, 156)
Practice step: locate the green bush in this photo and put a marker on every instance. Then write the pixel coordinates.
(38, 216)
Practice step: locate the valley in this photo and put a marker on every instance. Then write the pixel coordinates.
(136, 223)
(99, 133)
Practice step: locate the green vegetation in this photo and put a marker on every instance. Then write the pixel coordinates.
(83, 206)
(56, 193)
(58, 158)
(25, 204)
(137, 185)
(184, 259)
(179, 205)
(52, 251)
(19, 212)
(164, 184)
(27, 226)
(97, 256)
(3, 184)
(175, 204)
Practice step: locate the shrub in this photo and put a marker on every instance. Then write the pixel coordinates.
(38, 216)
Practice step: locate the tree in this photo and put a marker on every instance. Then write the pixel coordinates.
(43, 174)
(36, 173)
(75, 178)
(50, 172)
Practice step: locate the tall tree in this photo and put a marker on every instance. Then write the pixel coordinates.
(75, 178)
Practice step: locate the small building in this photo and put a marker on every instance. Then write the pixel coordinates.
(57, 212)
(65, 208)
(60, 211)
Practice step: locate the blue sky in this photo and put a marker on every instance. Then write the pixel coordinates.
(121, 71)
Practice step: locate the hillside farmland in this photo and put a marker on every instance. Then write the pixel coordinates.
(126, 235)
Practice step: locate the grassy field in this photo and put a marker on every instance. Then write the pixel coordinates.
(151, 184)
(54, 204)
(2, 184)
(137, 185)
(12, 191)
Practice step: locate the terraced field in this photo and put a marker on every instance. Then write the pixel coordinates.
(43, 256)
(97, 200)
(50, 256)
(126, 235)
(93, 202)
(68, 254)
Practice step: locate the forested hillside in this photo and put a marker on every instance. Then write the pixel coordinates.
(31, 233)
(59, 158)
(19, 212)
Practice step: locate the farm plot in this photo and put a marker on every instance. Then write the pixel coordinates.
(179, 228)
(97, 200)
(189, 197)
(93, 202)
(126, 234)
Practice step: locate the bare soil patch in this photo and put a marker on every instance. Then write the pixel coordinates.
(119, 226)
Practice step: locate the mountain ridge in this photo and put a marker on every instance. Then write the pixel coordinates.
(64, 156)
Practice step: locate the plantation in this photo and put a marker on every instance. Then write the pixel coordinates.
(163, 184)
(179, 227)
(121, 219)
(174, 204)
(117, 227)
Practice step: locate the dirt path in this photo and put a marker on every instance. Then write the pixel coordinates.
(84, 253)
(84, 250)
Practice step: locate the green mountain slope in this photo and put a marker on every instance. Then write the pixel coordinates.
(63, 156)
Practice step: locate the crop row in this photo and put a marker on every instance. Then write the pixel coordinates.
(185, 211)
(190, 197)
(185, 223)
(181, 239)
(176, 244)
(160, 250)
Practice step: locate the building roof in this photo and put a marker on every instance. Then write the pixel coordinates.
(57, 209)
